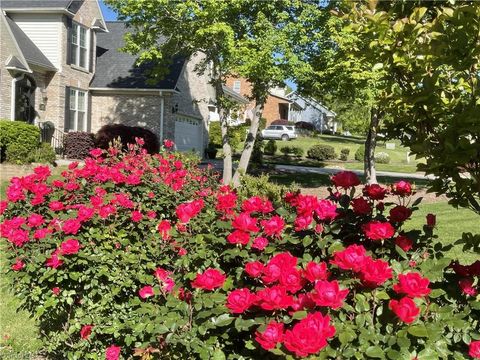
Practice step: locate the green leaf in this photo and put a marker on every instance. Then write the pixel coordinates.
(375, 352)
(418, 331)
(218, 355)
(223, 320)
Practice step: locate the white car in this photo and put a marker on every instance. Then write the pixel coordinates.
(279, 132)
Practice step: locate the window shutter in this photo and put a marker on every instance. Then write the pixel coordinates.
(66, 126)
(92, 51)
(69, 40)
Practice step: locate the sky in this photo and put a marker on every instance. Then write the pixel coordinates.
(110, 15)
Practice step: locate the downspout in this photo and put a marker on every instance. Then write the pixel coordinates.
(12, 98)
(162, 107)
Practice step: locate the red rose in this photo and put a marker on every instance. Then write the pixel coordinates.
(86, 331)
(56, 206)
(244, 222)
(187, 211)
(274, 226)
(209, 280)
(361, 206)
(274, 298)
(305, 204)
(271, 336)
(260, 243)
(257, 204)
(292, 280)
(71, 226)
(328, 293)
(19, 265)
(238, 237)
(53, 261)
(169, 144)
(164, 228)
(345, 179)
(302, 222)
(145, 292)
(164, 278)
(352, 258)
(240, 300)
(400, 213)
(326, 210)
(309, 335)
(35, 220)
(404, 242)
(136, 216)
(466, 285)
(402, 188)
(375, 272)
(96, 152)
(377, 230)
(316, 271)
(56, 291)
(412, 284)
(277, 265)
(69, 247)
(254, 268)
(431, 220)
(226, 202)
(474, 349)
(375, 192)
(112, 352)
(405, 309)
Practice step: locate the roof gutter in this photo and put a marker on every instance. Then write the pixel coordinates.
(159, 92)
(40, 11)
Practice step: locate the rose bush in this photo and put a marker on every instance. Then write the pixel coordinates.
(137, 255)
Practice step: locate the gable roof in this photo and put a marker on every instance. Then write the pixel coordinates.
(29, 50)
(70, 6)
(311, 102)
(118, 70)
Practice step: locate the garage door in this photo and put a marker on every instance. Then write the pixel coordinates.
(188, 134)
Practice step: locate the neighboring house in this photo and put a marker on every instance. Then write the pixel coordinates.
(60, 63)
(311, 111)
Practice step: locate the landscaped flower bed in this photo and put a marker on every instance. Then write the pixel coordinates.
(149, 256)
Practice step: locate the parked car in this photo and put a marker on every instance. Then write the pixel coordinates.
(280, 132)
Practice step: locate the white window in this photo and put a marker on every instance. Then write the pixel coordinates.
(236, 86)
(79, 46)
(77, 120)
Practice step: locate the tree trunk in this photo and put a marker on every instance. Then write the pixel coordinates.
(249, 143)
(370, 144)
(227, 149)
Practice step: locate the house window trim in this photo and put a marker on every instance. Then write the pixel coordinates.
(76, 47)
(85, 111)
(235, 84)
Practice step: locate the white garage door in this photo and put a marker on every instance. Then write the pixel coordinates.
(188, 134)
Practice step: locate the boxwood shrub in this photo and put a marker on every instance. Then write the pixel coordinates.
(18, 140)
(321, 152)
(134, 255)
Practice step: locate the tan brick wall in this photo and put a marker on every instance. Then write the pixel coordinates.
(271, 111)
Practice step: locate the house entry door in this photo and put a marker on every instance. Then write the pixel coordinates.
(25, 99)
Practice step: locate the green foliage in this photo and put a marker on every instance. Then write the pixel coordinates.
(344, 154)
(360, 154)
(77, 145)
(44, 154)
(18, 140)
(382, 158)
(236, 135)
(270, 148)
(321, 152)
(215, 134)
(262, 186)
(292, 150)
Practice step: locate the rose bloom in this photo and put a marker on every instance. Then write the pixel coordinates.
(328, 293)
(302, 222)
(291, 279)
(352, 258)
(239, 300)
(164, 228)
(244, 222)
(345, 179)
(254, 268)
(112, 352)
(466, 285)
(377, 230)
(96, 152)
(400, 213)
(361, 206)
(169, 144)
(86, 331)
(316, 271)
(260, 243)
(375, 192)
(35, 220)
(405, 309)
(431, 220)
(19, 265)
(209, 280)
(474, 349)
(71, 226)
(274, 226)
(412, 284)
(136, 216)
(56, 291)
(309, 335)
(402, 188)
(375, 272)
(274, 298)
(404, 242)
(69, 247)
(303, 301)
(326, 210)
(187, 211)
(238, 237)
(53, 261)
(146, 292)
(280, 263)
(271, 336)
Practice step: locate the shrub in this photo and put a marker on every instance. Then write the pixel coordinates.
(344, 154)
(297, 151)
(321, 152)
(127, 135)
(236, 135)
(44, 154)
(77, 145)
(285, 150)
(382, 158)
(215, 134)
(149, 255)
(270, 148)
(18, 140)
(360, 154)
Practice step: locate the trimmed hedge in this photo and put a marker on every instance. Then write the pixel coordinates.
(360, 154)
(321, 152)
(382, 158)
(270, 148)
(18, 140)
(127, 135)
(344, 154)
(78, 145)
(44, 154)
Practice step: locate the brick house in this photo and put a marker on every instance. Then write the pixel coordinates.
(60, 64)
